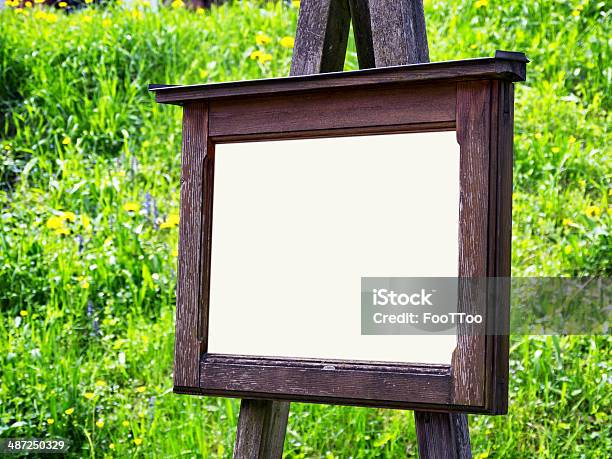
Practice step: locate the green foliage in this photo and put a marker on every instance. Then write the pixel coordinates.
(89, 179)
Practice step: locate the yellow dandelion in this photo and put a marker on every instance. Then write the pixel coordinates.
(131, 207)
(576, 13)
(89, 395)
(85, 222)
(23, 313)
(176, 4)
(28, 4)
(69, 411)
(51, 18)
(111, 446)
(106, 23)
(22, 12)
(141, 389)
(592, 211)
(256, 55)
(62, 4)
(538, 135)
(481, 3)
(571, 140)
(171, 221)
(567, 222)
(287, 42)
(84, 284)
(55, 222)
(265, 58)
(86, 18)
(295, 3)
(568, 249)
(39, 1)
(262, 39)
(50, 421)
(62, 232)
(125, 424)
(138, 441)
(175, 252)
(99, 423)
(136, 14)
(555, 149)
(203, 73)
(100, 383)
(200, 11)
(89, 2)
(70, 216)
(582, 183)
(66, 140)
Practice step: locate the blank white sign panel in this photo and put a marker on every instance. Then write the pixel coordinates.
(297, 223)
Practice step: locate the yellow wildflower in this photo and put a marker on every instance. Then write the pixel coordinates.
(100, 383)
(50, 421)
(100, 423)
(66, 140)
(62, 231)
(62, 4)
(287, 42)
(131, 207)
(262, 39)
(69, 411)
(23, 313)
(141, 389)
(538, 135)
(592, 211)
(176, 4)
(203, 73)
(571, 140)
(138, 441)
(171, 221)
(106, 23)
(22, 12)
(86, 18)
(51, 18)
(88, 1)
(70, 216)
(582, 183)
(481, 3)
(555, 149)
(112, 445)
(256, 55)
(199, 11)
(39, 1)
(55, 222)
(295, 3)
(84, 283)
(567, 222)
(136, 14)
(576, 13)
(125, 424)
(175, 252)
(89, 395)
(568, 249)
(265, 58)
(85, 221)
(28, 4)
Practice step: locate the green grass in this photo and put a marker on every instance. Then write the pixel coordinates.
(87, 305)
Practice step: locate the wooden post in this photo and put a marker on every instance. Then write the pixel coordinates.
(387, 33)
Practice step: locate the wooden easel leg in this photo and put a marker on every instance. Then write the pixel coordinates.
(442, 435)
(261, 429)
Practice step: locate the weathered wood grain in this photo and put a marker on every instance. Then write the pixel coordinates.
(188, 345)
(442, 435)
(383, 385)
(467, 69)
(261, 429)
(473, 135)
(321, 37)
(389, 106)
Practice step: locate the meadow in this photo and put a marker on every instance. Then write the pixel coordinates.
(89, 189)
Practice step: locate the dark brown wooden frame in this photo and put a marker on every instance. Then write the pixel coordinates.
(473, 97)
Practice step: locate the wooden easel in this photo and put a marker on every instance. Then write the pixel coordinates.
(387, 33)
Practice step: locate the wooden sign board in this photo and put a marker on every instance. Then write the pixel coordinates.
(293, 189)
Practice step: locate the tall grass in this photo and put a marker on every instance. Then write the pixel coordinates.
(89, 178)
